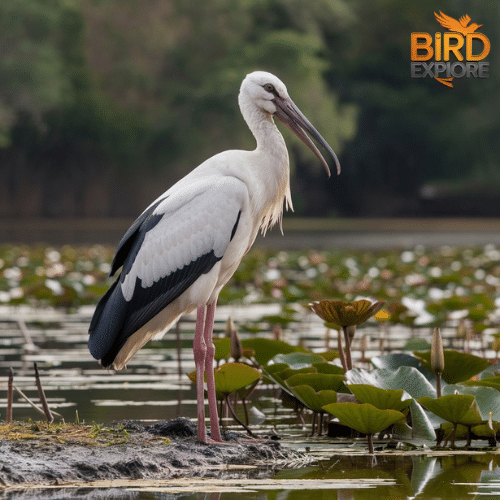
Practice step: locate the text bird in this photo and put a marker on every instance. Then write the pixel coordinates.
(186, 245)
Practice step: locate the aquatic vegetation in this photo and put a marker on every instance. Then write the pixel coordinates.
(364, 418)
(452, 288)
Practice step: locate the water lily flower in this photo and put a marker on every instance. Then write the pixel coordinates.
(344, 313)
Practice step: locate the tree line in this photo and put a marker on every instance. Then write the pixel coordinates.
(105, 103)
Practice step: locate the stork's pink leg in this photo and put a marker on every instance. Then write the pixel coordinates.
(209, 370)
(200, 353)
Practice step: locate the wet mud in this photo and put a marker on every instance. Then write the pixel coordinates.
(165, 450)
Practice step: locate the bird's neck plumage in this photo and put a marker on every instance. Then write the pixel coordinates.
(273, 173)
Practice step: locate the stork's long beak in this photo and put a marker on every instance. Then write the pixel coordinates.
(293, 118)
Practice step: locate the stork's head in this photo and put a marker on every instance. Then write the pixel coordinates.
(268, 93)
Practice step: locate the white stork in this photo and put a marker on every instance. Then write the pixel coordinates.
(184, 247)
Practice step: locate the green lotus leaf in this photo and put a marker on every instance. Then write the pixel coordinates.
(407, 378)
(298, 360)
(329, 355)
(222, 348)
(192, 376)
(274, 368)
(383, 399)
(485, 382)
(266, 349)
(364, 418)
(318, 381)
(455, 408)
(312, 399)
(328, 368)
(458, 366)
(280, 372)
(394, 361)
(289, 372)
(487, 398)
(462, 431)
(232, 377)
(486, 429)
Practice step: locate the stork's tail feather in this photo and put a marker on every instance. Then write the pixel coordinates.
(106, 326)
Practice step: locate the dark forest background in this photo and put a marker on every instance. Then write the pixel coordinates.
(105, 103)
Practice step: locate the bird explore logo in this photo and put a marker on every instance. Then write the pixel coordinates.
(457, 53)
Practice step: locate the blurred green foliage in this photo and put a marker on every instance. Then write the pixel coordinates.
(98, 95)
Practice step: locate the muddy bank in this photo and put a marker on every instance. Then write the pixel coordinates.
(165, 450)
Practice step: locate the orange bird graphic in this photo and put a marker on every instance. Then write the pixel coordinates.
(460, 26)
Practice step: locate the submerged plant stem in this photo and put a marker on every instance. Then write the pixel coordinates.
(371, 449)
(233, 413)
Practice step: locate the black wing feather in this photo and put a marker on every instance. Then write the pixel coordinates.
(116, 319)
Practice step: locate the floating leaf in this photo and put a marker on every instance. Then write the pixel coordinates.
(488, 429)
(328, 368)
(280, 372)
(487, 398)
(312, 399)
(232, 377)
(318, 381)
(455, 408)
(364, 418)
(329, 355)
(407, 378)
(493, 382)
(192, 376)
(383, 399)
(266, 349)
(222, 348)
(421, 425)
(298, 360)
(393, 362)
(458, 366)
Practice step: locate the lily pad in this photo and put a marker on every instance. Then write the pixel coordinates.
(364, 418)
(318, 381)
(280, 372)
(312, 399)
(487, 429)
(407, 378)
(458, 366)
(487, 398)
(421, 425)
(383, 399)
(493, 382)
(394, 361)
(455, 408)
(222, 348)
(328, 368)
(298, 360)
(232, 377)
(266, 349)
(329, 355)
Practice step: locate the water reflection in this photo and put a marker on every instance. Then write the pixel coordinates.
(456, 476)
(152, 389)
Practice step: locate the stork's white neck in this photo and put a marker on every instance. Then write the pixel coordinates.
(274, 165)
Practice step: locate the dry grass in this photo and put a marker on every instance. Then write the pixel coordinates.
(63, 433)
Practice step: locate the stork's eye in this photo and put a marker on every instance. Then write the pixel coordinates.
(269, 87)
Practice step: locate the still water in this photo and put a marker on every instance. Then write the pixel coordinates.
(155, 386)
